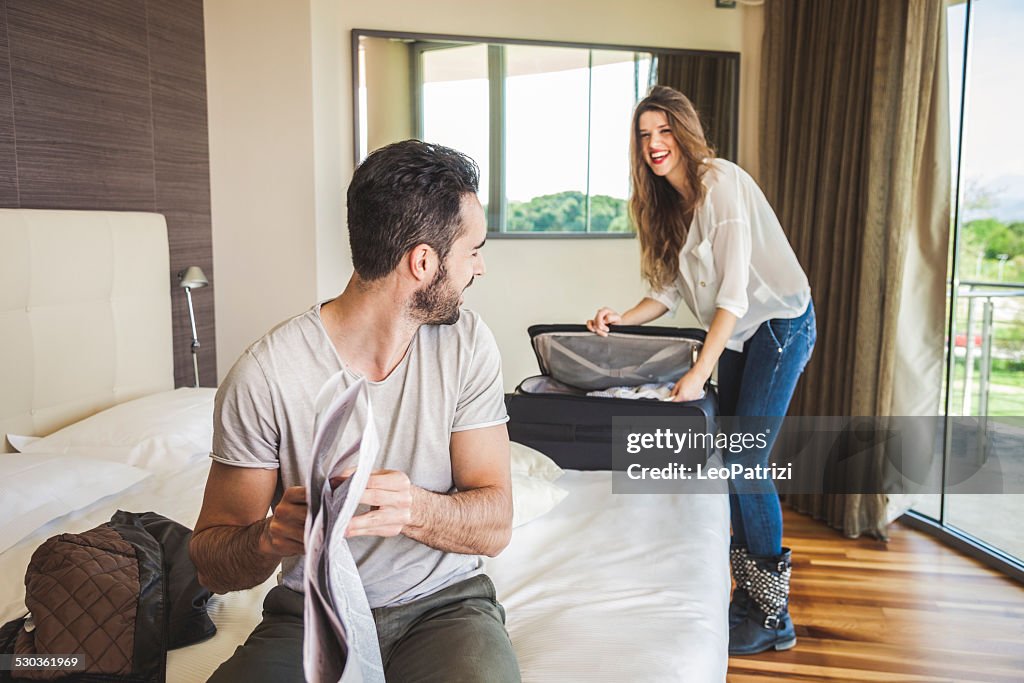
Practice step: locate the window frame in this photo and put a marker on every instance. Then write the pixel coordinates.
(497, 200)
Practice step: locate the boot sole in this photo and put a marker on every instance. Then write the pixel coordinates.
(778, 647)
(788, 645)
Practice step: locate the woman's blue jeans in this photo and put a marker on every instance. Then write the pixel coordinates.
(759, 383)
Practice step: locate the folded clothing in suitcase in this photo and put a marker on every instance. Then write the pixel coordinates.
(552, 412)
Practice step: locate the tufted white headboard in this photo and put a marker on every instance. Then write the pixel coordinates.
(85, 314)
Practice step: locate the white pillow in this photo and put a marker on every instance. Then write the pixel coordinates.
(161, 454)
(156, 432)
(37, 488)
(20, 443)
(533, 463)
(532, 497)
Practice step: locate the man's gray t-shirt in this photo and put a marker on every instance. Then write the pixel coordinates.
(448, 381)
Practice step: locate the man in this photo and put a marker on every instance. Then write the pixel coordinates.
(442, 494)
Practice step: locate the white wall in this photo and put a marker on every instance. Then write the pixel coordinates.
(262, 173)
(527, 282)
(331, 109)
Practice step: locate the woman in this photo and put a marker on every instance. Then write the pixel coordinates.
(709, 237)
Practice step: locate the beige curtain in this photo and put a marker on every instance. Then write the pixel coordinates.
(855, 158)
(711, 82)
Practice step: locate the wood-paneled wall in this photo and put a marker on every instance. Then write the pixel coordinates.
(103, 106)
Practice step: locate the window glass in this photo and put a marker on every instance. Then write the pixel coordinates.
(456, 104)
(546, 138)
(617, 78)
(986, 347)
(556, 117)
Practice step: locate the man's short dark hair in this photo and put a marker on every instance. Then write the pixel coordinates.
(405, 194)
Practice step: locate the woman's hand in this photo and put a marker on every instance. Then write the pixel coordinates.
(690, 386)
(644, 312)
(602, 319)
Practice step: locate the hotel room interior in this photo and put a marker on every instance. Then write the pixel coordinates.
(172, 185)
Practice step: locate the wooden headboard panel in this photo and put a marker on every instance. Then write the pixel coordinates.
(85, 314)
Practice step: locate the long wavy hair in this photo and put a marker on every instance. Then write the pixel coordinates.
(657, 209)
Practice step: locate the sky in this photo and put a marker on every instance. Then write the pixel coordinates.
(993, 142)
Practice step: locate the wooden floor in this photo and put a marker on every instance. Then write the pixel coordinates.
(910, 610)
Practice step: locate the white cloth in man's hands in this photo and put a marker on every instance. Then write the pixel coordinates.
(340, 640)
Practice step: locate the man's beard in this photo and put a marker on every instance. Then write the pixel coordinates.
(438, 302)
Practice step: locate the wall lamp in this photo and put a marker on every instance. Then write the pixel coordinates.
(189, 279)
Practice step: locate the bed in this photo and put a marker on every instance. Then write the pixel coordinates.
(600, 588)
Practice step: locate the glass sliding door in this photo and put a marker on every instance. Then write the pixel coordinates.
(985, 335)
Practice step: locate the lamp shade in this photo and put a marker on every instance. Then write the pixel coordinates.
(193, 278)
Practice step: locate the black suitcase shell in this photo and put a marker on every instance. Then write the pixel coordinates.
(575, 430)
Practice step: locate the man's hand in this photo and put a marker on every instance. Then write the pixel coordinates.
(474, 520)
(389, 493)
(285, 531)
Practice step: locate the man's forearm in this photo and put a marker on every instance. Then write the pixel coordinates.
(229, 558)
(474, 522)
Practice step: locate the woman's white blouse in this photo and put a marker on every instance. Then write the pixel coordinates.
(736, 258)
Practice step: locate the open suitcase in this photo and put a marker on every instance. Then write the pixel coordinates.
(552, 411)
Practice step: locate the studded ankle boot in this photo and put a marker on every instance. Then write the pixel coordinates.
(767, 624)
(740, 595)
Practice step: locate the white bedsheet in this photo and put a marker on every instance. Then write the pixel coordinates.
(619, 587)
(602, 588)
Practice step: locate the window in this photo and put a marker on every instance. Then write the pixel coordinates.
(985, 334)
(548, 125)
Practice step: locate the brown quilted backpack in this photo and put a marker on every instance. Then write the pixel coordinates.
(119, 595)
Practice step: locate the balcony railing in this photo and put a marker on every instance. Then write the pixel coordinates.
(987, 295)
